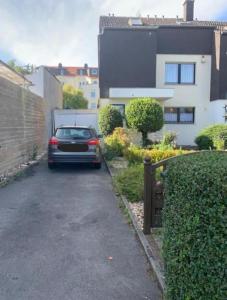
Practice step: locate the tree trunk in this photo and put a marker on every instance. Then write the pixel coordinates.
(144, 136)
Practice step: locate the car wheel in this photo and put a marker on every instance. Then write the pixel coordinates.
(51, 166)
(98, 165)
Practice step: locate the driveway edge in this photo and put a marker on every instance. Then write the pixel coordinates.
(142, 238)
(19, 171)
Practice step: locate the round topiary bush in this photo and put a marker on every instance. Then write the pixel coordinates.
(208, 137)
(195, 223)
(109, 119)
(145, 115)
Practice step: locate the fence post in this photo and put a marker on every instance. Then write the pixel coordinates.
(147, 196)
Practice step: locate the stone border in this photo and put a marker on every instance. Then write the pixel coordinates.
(149, 251)
(20, 170)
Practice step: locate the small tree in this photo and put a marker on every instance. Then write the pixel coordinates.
(73, 98)
(24, 70)
(109, 119)
(145, 115)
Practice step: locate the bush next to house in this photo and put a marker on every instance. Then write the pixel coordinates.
(136, 155)
(130, 183)
(116, 143)
(195, 227)
(212, 137)
(109, 119)
(145, 115)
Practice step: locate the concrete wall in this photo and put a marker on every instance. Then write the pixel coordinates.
(50, 88)
(22, 123)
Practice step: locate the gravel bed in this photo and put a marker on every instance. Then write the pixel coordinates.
(137, 210)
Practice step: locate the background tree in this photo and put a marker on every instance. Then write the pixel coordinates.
(109, 119)
(145, 115)
(24, 70)
(73, 98)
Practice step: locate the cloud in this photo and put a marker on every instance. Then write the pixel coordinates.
(53, 31)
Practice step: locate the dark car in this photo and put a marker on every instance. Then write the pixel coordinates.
(74, 144)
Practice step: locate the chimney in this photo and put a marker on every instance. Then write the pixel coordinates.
(189, 10)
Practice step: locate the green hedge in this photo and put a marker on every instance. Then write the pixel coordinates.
(212, 136)
(195, 227)
(109, 119)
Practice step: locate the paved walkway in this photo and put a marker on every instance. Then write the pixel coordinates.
(58, 232)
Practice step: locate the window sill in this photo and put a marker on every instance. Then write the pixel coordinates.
(180, 84)
(180, 123)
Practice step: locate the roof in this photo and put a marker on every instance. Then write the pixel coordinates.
(11, 75)
(123, 22)
(69, 71)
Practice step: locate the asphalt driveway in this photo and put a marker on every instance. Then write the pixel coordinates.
(63, 237)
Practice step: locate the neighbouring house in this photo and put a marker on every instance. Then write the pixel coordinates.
(84, 78)
(47, 86)
(182, 62)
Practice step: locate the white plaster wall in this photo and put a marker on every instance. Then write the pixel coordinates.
(197, 95)
(37, 80)
(217, 111)
(49, 88)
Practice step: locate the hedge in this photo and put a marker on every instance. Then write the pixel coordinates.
(210, 137)
(109, 119)
(195, 227)
(136, 155)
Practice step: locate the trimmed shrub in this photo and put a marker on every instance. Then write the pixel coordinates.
(145, 115)
(116, 143)
(208, 137)
(195, 227)
(109, 119)
(136, 155)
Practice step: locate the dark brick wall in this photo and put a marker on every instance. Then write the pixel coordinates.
(223, 67)
(185, 40)
(127, 58)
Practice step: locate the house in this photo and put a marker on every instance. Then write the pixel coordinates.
(181, 62)
(84, 78)
(47, 86)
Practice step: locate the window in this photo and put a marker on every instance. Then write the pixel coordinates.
(94, 71)
(180, 73)
(179, 115)
(93, 94)
(73, 133)
(81, 72)
(93, 105)
(121, 108)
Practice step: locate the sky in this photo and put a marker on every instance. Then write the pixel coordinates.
(46, 32)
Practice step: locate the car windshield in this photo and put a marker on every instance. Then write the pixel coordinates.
(74, 133)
